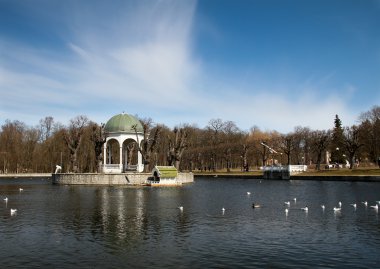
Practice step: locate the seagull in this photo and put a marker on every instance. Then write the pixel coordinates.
(340, 204)
(286, 210)
(6, 199)
(181, 208)
(248, 193)
(256, 205)
(323, 207)
(13, 211)
(354, 205)
(365, 203)
(375, 207)
(287, 203)
(21, 189)
(223, 210)
(295, 199)
(305, 208)
(337, 209)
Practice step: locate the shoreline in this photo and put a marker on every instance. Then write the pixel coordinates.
(304, 176)
(349, 178)
(25, 175)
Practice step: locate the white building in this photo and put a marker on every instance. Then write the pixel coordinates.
(121, 132)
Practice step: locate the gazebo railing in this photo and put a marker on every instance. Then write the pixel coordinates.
(112, 166)
(131, 168)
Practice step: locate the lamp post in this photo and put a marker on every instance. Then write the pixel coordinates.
(337, 154)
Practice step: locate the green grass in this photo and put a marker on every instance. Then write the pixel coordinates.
(221, 173)
(365, 171)
(343, 172)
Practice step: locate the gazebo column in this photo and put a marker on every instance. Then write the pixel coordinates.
(104, 156)
(109, 154)
(121, 158)
(140, 166)
(125, 158)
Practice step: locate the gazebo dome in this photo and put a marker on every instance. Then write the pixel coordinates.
(123, 123)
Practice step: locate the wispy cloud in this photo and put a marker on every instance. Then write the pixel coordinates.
(139, 58)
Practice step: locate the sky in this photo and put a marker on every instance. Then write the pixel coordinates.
(272, 64)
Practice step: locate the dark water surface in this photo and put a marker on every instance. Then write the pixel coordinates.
(142, 227)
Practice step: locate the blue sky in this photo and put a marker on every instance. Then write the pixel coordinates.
(275, 64)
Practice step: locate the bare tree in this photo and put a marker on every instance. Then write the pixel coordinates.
(215, 126)
(301, 145)
(149, 144)
(244, 157)
(98, 139)
(177, 146)
(351, 142)
(30, 142)
(73, 139)
(320, 142)
(131, 149)
(255, 138)
(11, 145)
(46, 127)
(287, 145)
(370, 122)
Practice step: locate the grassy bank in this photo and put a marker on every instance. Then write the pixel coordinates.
(331, 172)
(343, 172)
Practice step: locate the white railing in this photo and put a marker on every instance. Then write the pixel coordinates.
(297, 168)
(290, 168)
(275, 168)
(112, 166)
(131, 168)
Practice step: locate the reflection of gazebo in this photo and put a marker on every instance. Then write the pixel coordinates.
(120, 138)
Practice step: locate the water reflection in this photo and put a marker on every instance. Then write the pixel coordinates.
(119, 215)
(113, 227)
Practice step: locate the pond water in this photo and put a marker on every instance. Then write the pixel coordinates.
(143, 227)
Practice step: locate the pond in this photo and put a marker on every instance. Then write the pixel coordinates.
(142, 227)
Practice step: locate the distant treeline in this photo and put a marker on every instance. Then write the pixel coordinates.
(221, 145)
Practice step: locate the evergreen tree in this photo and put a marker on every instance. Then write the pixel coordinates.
(337, 142)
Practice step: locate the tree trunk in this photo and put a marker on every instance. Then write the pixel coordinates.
(177, 163)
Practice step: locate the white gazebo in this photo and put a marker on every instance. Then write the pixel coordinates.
(121, 144)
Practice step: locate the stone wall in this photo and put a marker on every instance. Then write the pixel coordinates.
(112, 179)
(185, 178)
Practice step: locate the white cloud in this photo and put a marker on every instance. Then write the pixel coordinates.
(273, 111)
(140, 60)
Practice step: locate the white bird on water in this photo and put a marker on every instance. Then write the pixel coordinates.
(336, 209)
(365, 203)
(223, 210)
(181, 208)
(376, 207)
(295, 199)
(354, 205)
(248, 193)
(287, 203)
(306, 209)
(340, 204)
(286, 210)
(20, 189)
(13, 211)
(323, 207)
(6, 199)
